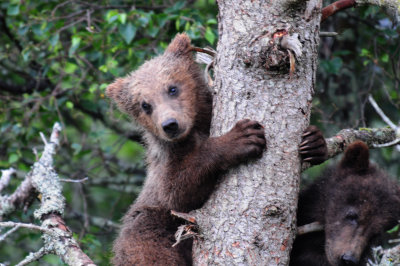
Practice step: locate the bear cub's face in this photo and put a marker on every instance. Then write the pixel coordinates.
(360, 208)
(162, 95)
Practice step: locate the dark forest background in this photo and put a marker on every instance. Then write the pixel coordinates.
(57, 57)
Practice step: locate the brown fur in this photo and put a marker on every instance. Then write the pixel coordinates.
(183, 167)
(356, 202)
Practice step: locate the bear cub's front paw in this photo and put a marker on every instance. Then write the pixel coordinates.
(246, 140)
(313, 147)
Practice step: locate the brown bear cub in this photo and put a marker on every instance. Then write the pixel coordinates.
(168, 97)
(355, 201)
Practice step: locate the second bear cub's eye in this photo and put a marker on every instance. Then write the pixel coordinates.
(146, 107)
(173, 90)
(352, 217)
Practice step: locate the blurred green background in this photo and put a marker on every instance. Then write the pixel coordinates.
(57, 57)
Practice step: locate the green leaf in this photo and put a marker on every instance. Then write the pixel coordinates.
(385, 58)
(211, 21)
(93, 88)
(69, 104)
(25, 54)
(54, 39)
(122, 18)
(128, 32)
(74, 45)
(13, 158)
(70, 68)
(209, 35)
(365, 52)
(13, 10)
(103, 86)
(177, 23)
(394, 229)
(77, 148)
(22, 30)
(112, 16)
(177, 7)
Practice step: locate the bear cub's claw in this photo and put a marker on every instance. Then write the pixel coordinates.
(313, 147)
(246, 140)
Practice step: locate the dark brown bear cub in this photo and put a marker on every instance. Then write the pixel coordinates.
(168, 97)
(355, 201)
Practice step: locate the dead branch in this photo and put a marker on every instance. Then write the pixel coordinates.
(22, 196)
(373, 137)
(309, 228)
(391, 7)
(336, 7)
(57, 236)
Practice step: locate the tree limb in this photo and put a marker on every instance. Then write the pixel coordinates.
(391, 7)
(57, 236)
(336, 7)
(23, 195)
(371, 136)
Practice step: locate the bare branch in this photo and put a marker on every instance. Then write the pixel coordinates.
(46, 182)
(33, 256)
(381, 113)
(23, 195)
(24, 225)
(57, 237)
(371, 136)
(336, 7)
(74, 180)
(9, 232)
(391, 7)
(309, 228)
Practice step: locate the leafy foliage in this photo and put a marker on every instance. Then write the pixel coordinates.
(363, 59)
(56, 59)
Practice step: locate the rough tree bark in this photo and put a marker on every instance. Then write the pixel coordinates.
(250, 220)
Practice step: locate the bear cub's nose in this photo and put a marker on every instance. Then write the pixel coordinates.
(348, 259)
(171, 127)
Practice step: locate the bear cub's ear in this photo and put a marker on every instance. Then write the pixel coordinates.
(115, 89)
(180, 45)
(356, 157)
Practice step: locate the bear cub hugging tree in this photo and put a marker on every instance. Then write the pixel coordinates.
(355, 201)
(168, 97)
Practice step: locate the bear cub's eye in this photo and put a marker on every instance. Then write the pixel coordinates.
(173, 90)
(352, 217)
(146, 107)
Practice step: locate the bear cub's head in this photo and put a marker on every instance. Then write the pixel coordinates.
(363, 204)
(166, 94)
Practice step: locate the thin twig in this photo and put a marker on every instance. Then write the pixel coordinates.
(309, 228)
(381, 113)
(33, 256)
(74, 180)
(9, 232)
(24, 225)
(389, 144)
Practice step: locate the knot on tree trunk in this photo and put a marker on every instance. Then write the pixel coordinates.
(275, 52)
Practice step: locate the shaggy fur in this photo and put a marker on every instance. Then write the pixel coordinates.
(356, 202)
(184, 163)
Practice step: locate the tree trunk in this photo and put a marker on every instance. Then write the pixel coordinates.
(250, 219)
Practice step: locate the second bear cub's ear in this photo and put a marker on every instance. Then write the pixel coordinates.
(180, 45)
(356, 157)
